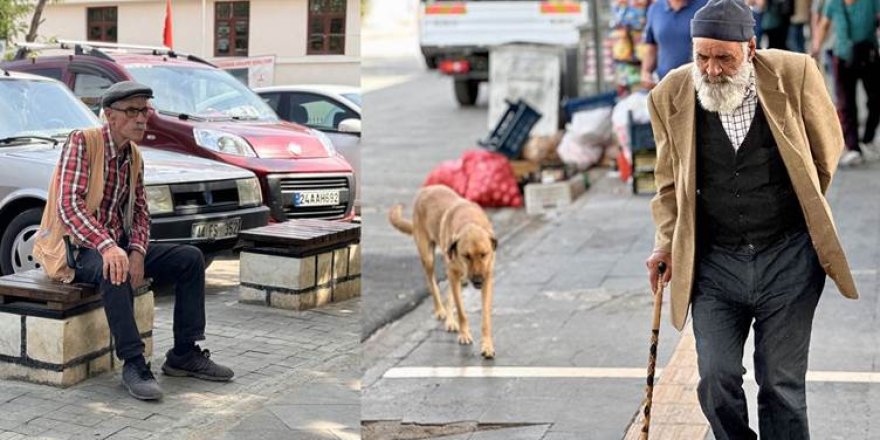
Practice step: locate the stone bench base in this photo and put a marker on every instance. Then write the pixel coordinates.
(277, 279)
(63, 351)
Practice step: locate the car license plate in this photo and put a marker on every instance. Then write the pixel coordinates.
(316, 198)
(217, 229)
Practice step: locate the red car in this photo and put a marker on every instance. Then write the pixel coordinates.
(204, 111)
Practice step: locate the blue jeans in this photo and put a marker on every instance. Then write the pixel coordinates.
(165, 264)
(775, 290)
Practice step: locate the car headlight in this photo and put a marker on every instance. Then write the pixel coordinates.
(249, 192)
(223, 142)
(159, 200)
(325, 141)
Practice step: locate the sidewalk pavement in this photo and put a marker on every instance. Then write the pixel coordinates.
(297, 377)
(572, 324)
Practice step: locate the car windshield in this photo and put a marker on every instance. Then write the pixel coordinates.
(207, 93)
(353, 97)
(40, 108)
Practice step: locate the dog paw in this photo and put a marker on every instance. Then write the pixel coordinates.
(488, 351)
(451, 325)
(440, 315)
(464, 338)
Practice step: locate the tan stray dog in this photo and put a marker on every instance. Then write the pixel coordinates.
(464, 233)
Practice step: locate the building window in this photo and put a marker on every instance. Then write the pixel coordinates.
(101, 24)
(326, 27)
(231, 24)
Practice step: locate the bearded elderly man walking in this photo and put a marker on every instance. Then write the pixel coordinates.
(746, 148)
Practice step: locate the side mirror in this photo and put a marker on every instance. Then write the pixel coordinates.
(351, 125)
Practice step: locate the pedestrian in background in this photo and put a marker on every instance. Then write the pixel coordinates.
(855, 59)
(667, 37)
(800, 19)
(745, 154)
(775, 22)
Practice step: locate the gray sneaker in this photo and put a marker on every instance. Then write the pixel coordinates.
(140, 382)
(196, 363)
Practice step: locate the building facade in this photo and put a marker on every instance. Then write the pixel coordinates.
(298, 41)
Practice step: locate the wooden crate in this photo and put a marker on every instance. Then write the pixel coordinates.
(643, 183)
(644, 160)
(544, 197)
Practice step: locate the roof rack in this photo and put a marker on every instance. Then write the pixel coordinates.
(103, 50)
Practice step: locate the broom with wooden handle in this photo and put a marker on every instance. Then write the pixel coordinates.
(652, 356)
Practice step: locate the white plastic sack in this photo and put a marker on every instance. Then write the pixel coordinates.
(581, 154)
(637, 103)
(592, 126)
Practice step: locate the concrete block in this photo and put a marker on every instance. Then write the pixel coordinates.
(323, 295)
(249, 295)
(354, 260)
(347, 290)
(77, 345)
(58, 341)
(325, 265)
(299, 301)
(277, 271)
(10, 334)
(340, 263)
(144, 311)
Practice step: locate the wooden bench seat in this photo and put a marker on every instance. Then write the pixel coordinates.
(56, 333)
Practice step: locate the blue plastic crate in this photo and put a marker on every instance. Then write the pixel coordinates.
(574, 105)
(641, 136)
(512, 130)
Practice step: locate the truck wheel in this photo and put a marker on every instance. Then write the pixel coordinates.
(431, 62)
(466, 91)
(17, 242)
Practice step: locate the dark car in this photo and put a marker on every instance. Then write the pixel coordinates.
(191, 200)
(204, 111)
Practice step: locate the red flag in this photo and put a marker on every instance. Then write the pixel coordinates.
(167, 38)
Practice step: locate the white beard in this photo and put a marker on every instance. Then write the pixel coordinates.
(725, 96)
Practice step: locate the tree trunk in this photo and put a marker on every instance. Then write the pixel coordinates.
(35, 21)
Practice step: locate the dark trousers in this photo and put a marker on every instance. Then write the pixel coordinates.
(164, 263)
(845, 80)
(778, 289)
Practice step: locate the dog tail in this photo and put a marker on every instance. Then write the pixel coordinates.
(395, 216)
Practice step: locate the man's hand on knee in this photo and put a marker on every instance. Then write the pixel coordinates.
(115, 264)
(136, 268)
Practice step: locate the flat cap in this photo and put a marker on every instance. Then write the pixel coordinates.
(124, 90)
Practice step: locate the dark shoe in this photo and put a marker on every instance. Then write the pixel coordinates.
(196, 363)
(139, 381)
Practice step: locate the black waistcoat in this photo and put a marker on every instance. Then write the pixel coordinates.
(744, 197)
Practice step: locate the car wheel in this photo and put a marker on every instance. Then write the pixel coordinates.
(466, 91)
(17, 243)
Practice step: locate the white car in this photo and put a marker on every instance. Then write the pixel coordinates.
(334, 110)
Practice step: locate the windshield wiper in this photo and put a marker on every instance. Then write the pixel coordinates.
(15, 139)
(182, 116)
(245, 118)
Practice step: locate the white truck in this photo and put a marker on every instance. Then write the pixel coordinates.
(456, 36)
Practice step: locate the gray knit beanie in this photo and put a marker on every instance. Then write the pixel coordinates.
(726, 20)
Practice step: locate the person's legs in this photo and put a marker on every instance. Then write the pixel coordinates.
(868, 76)
(118, 304)
(184, 266)
(721, 318)
(847, 110)
(777, 37)
(796, 41)
(790, 285)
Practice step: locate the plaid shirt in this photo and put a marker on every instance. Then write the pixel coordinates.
(737, 124)
(106, 228)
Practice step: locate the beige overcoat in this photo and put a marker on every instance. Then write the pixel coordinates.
(804, 124)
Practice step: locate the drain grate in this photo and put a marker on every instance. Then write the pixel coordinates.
(396, 430)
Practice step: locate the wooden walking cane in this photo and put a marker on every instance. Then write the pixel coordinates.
(652, 357)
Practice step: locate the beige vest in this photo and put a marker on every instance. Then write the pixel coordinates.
(49, 248)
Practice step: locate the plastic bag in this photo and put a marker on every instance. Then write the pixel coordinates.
(586, 137)
(637, 103)
(480, 176)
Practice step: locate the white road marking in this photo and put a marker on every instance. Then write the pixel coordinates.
(478, 372)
